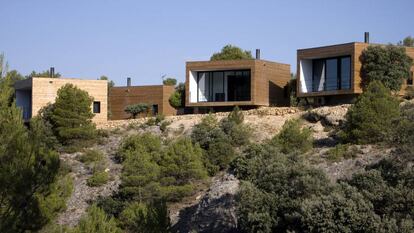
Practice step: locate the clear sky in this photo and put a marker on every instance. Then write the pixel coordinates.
(147, 39)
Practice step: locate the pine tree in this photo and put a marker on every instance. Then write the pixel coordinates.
(72, 116)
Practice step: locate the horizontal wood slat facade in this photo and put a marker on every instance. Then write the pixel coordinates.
(354, 50)
(268, 80)
(121, 97)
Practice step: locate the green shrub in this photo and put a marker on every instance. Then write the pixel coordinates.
(164, 125)
(370, 119)
(98, 178)
(135, 144)
(293, 137)
(140, 217)
(175, 99)
(152, 171)
(207, 132)
(389, 65)
(136, 109)
(218, 156)
(182, 161)
(169, 81)
(90, 156)
(96, 222)
(339, 152)
(72, 116)
(344, 210)
(237, 132)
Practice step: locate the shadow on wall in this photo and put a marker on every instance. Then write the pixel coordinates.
(277, 95)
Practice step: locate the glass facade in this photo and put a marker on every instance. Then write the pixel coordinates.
(221, 86)
(331, 74)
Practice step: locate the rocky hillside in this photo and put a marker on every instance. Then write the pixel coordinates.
(212, 208)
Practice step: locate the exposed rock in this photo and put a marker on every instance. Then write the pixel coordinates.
(215, 212)
(82, 194)
(332, 115)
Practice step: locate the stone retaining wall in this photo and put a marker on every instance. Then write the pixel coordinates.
(262, 111)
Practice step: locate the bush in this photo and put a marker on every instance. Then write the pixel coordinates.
(152, 171)
(169, 81)
(344, 210)
(140, 217)
(182, 162)
(293, 137)
(238, 133)
(389, 65)
(218, 157)
(175, 99)
(207, 132)
(339, 152)
(370, 119)
(136, 109)
(98, 178)
(72, 116)
(90, 156)
(164, 125)
(96, 222)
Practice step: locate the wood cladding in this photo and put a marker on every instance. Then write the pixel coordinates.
(354, 50)
(268, 80)
(44, 91)
(121, 97)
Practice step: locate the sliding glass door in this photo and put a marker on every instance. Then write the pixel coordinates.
(220, 86)
(331, 74)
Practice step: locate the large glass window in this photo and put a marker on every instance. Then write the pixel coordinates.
(220, 86)
(331, 74)
(346, 73)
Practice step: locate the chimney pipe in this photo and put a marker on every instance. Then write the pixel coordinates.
(52, 72)
(257, 54)
(128, 81)
(366, 37)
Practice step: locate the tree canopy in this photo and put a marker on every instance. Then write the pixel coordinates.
(169, 81)
(136, 109)
(388, 64)
(407, 41)
(43, 74)
(72, 115)
(231, 52)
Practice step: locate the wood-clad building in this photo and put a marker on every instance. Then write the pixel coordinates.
(156, 96)
(32, 94)
(334, 71)
(251, 82)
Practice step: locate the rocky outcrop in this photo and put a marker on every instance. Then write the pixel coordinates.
(215, 212)
(328, 115)
(82, 194)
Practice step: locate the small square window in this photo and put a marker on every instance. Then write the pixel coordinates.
(410, 79)
(96, 107)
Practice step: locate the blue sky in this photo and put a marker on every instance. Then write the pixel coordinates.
(147, 39)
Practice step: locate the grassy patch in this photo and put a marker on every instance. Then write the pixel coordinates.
(90, 156)
(98, 178)
(340, 152)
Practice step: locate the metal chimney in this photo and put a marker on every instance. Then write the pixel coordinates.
(128, 81)
(52, 72)
(257, 54)
(366, 37)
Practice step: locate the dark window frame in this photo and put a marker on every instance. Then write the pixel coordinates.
(211, 83)
(410, 80)
(338, 71)
(96, 107)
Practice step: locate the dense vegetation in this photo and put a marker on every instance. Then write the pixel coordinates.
(282, 192)
(389, 64)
